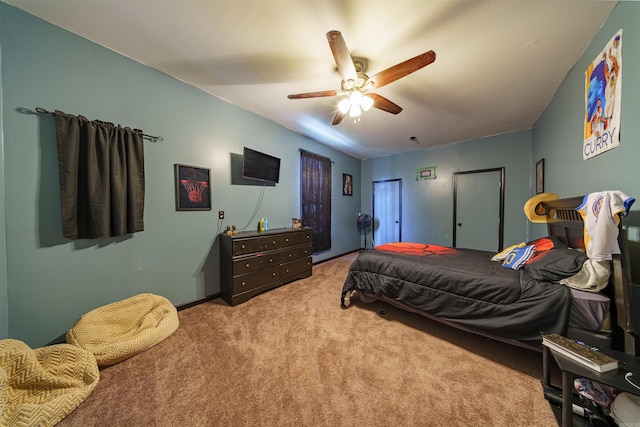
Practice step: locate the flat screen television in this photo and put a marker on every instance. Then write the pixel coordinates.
(260, 166)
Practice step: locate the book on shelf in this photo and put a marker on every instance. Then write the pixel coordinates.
(582, 353)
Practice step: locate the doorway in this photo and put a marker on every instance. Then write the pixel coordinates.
(478, 209)
(387, 211)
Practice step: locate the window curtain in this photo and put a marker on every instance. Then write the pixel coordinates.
(101, 170)
(316, 198)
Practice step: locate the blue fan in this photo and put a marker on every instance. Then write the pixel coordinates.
(364, 223)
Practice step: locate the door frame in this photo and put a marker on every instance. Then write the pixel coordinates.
(455, 202)
(373, 207)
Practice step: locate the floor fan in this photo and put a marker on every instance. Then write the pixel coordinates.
(364, 223)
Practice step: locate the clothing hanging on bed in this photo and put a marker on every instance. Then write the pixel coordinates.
(600, 212)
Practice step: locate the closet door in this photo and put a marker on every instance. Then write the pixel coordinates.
(478, 209)
(387, 211)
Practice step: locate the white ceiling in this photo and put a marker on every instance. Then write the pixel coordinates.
(499, 62)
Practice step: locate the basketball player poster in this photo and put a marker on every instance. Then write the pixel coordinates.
(603, 84)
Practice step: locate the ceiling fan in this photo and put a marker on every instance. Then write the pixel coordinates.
(356, 86)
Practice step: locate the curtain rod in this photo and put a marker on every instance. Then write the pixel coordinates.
(149, 137)
(316, 154)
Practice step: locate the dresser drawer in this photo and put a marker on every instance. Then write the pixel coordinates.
(256, 279)
(297, 238)
(296, 269)
(259, 244)
(296, 252)
(257, 262)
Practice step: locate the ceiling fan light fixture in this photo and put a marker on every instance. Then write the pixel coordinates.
(366, 103)
(348, 85)
(355, 110)
(344, 105)
(370, 85)
(355, 97)
(362, 82)
(355, 103)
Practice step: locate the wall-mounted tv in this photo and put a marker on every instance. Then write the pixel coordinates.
(260, 166)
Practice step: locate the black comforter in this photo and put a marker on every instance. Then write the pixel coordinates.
(462, 286)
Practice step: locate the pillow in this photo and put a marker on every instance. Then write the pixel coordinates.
(518, 257)
(502, 255)
(547, 243)
(555, 264)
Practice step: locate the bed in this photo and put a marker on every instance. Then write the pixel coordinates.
(466, 289)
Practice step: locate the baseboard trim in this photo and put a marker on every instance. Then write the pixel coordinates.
(337, 256)
(198, 301)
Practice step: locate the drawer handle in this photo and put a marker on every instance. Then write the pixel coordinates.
(287, 270)
(273, 274)
(308, 237)
(248, 265)
(290, 255)
(273, 242)
(270, 259)
(286, 240)
(243, 246)
(243, 283)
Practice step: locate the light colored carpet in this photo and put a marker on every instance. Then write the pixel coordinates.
(293, 357)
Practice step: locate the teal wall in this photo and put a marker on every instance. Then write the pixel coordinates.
(557, 135)
(427, 211)
(4, 306)
(46, 281)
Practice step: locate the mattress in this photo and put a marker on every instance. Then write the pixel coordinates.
(590, 311)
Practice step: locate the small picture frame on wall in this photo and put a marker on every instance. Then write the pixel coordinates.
(193, 188)
(540, 176)
(347, 185)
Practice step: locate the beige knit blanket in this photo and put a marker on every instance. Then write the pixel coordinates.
(41, 386)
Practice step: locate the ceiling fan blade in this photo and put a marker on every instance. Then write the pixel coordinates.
(341, 55)
(382, 103)
(313, 94)
(338, 118)
(402, 69)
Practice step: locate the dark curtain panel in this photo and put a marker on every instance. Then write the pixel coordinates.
(316, 198)
(101, 168)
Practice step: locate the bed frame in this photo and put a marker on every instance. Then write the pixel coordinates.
(565, 223)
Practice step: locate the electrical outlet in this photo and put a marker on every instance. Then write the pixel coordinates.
(220, 214)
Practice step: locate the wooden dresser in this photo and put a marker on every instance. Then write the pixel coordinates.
(253, 262)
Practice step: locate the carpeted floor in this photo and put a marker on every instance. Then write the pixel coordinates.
(293, 357)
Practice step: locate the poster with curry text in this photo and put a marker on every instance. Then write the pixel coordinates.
(602, 95)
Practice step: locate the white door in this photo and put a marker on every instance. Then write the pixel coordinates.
(387, 211)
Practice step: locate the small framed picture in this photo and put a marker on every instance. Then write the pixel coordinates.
(540, 176)
(347, 185)
(193, 188)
